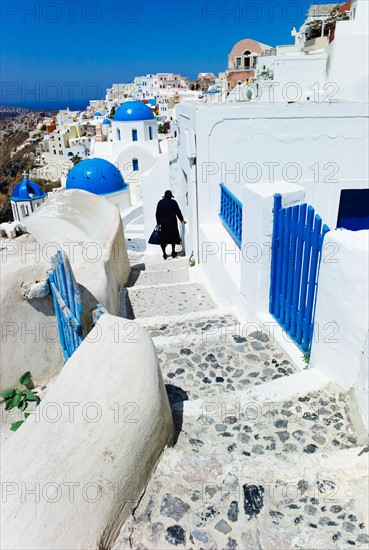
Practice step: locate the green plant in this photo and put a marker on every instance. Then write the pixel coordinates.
(306, 358)
(20, 398)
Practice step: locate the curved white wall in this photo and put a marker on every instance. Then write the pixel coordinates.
(90, 231)
(91, 468)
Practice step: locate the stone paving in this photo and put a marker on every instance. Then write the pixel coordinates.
(166, 277)
(274, 475)
(217, 504)
(205, 327)
(169, 300)
(313, 422)
(207, 370)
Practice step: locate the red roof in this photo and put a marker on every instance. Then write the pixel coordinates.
(345, 7)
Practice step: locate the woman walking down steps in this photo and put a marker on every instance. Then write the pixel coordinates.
(167, 212)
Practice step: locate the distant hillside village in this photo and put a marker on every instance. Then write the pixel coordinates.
(264, 306)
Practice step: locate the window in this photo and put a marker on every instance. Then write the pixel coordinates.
(118, 134)
(135, 165)
(150, 132)
(238, 62)
(134, 135)
(54, 151)
(247, 52)
(60, 152)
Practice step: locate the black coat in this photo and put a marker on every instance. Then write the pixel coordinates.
(167, 213)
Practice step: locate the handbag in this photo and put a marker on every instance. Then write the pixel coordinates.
(155, 236)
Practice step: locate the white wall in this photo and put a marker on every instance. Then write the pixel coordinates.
(121, 199)
(348, 56)
(90, 231)
(91, 468)
(29, 334)
(341, 317)
(257, 235)
(321, 147)
(361, 385)
(154, 183)
(142, 127)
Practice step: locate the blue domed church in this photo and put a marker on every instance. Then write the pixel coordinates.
(27, 196)
(101, 177)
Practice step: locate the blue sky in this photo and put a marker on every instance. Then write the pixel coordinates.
(61, 53)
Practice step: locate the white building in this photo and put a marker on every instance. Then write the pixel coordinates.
(326, 68)
(132, 144)
(319, 145)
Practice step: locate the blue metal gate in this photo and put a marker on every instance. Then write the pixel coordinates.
(297, 243)
(67, 302)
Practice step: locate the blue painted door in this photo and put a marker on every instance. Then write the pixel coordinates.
(298, 236)
(67, 303)
(353, 212)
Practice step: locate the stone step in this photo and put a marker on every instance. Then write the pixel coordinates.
(218, 324)
(203, 371)
(153, 278)
(235, 502)
(168, 300)
(308, 423)
(157, 263)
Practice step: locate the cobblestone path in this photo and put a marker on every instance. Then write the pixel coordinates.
(263, 457)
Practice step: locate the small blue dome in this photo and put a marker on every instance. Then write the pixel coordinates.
(106, 121)
(130, 111)
(27, 191)
(97, 113)
(96, 176)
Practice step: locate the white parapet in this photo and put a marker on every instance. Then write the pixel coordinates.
(340, 347)
(73, 473)
(90, 232)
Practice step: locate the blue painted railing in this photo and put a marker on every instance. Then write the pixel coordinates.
(67, 303)
(298, 236)
(231, 213)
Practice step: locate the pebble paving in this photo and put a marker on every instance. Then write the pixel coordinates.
(311, 423)
(215, 503)
(209, 369)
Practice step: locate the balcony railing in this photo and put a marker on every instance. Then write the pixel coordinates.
(231, 214)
